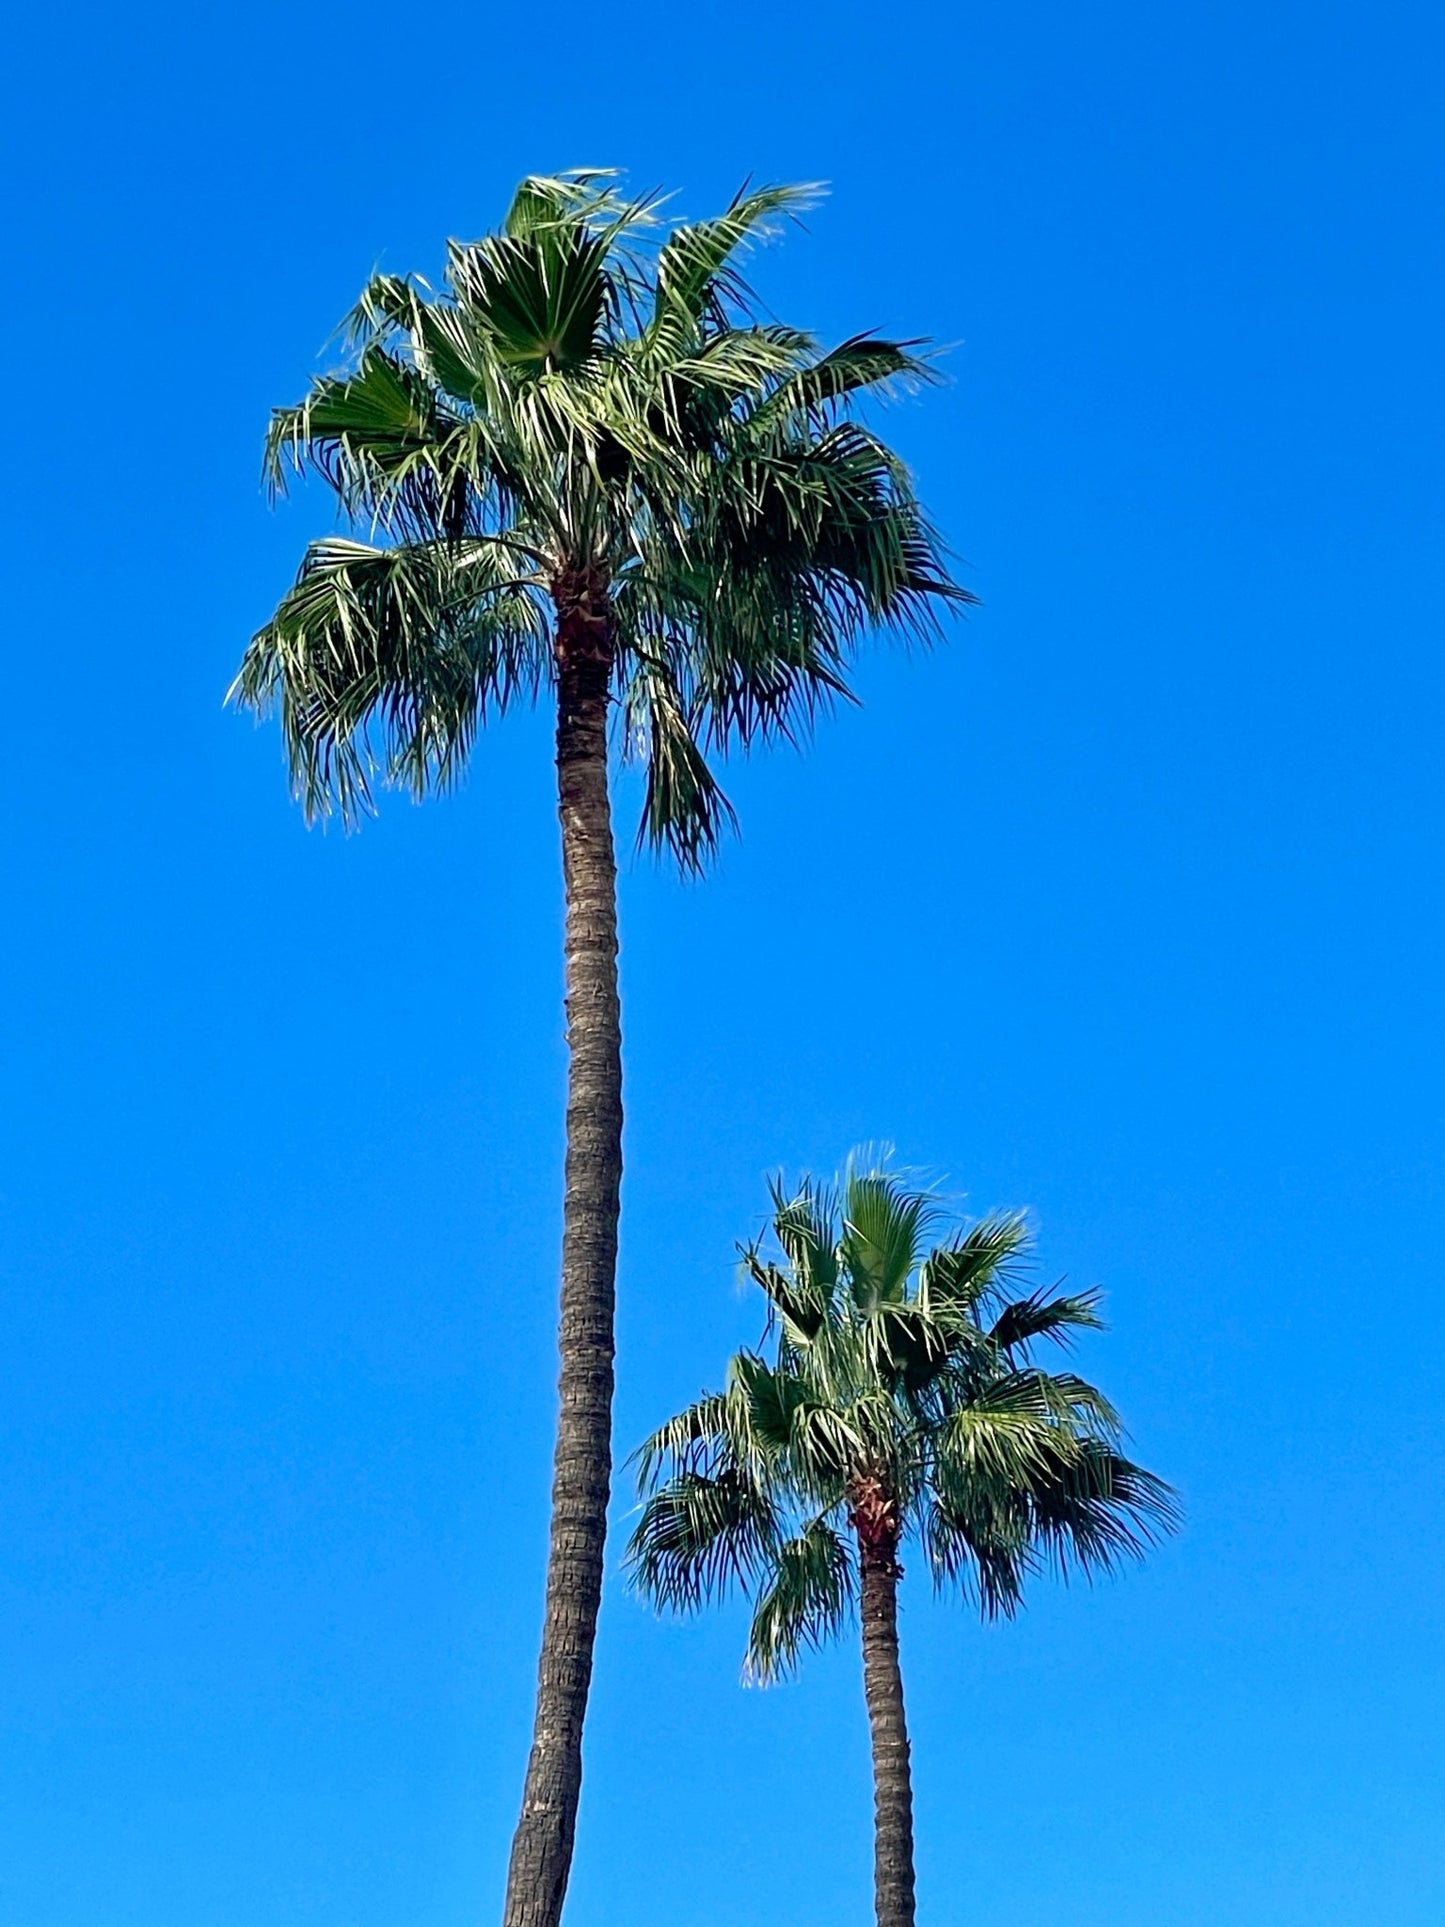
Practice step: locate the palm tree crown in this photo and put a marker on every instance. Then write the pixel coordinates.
(585, 430)
(901, 1402)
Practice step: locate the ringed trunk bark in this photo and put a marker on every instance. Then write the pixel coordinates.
(888, 1729)
(542, 1845)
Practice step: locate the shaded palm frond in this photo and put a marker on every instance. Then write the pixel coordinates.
(773, 1403)
(797, 1300)
(685, 809)
(806, 1227)
(1046, 1313)
(1099, 1510)
(699, 1536)
(809, 1591)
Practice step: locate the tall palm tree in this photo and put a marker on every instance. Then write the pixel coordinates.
(581, 469)
(901, 1402)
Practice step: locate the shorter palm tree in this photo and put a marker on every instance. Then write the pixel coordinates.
(901, 1402)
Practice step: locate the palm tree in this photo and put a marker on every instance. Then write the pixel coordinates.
(901, 1402)
(582, 469)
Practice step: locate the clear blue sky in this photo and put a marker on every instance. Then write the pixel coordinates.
(1125, 906)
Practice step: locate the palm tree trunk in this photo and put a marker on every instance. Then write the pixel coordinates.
(888, 1729)
(542, 1845)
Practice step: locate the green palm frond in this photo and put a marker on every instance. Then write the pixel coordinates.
(985, 1556)
(1077, 1404)
(699, 1536)
(688, 1440)
(693, 284)
(976, 1266)
(389, 658)
(586, 196)
(809, 397)
(882, 1225)
(1099, 1511)
(685, 809)
(541, 297)
(801, 1291)
(1009, 1429)
(359, 430)
(773, 1403)
(805, 1601)
(1046, 1314)
(806, 1227)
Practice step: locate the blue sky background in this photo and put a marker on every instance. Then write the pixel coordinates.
(1125, 906)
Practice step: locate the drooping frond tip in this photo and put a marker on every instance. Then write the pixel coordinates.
(387, 659)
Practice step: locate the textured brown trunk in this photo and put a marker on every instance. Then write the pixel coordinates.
(542, 1845)
(874, 1520)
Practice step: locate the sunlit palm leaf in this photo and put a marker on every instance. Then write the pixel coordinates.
(805, 1601)
(389, 658)
(692, 264)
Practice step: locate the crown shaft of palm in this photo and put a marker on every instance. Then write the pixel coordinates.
(901, 1401)
(580, 470)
